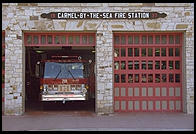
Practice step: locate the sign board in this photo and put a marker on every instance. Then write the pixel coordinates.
(103, 15)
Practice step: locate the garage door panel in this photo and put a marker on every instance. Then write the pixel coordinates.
(130, 105)
(150, 105)
(130, 91)
(123, 91)
(123, 105)
(148, 71)
(144, 105)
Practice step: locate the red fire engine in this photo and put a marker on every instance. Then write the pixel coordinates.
(64, 78)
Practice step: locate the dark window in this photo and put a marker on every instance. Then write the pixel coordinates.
(130, 40)
(164, 78)
(43, 39)
(77, 39)
(29, 39)
(116, 52)
(144, 78)
(57, 39)
(136, 52)
(130, 51)
(163, 65)
(70, 40)
(170, 51)
(130, 78)
(123, 78)
(177, 39)
(35, 40)
(177, 52)
(116, 65)
(91, 39)
(171, 66)
(150, 65)
(150, 39)
(123, 52)
(144, 39)
(171, 77)
(177, 78)
(144, 65)
(136, 78)
(116, 78)
(177, 64)
(150, 78)
(157, 39)
(116, 39)
(163, 39)
(171, 39)
(123, 65)
(136, 65)
(143, 52)
(157, 51)
(84, 39)
(163, 51)
(157, 64)
(157, 78)
(130, 64)
(150, 52)
(136, 39)
(49, 38)
(63, 39)
(123, 41)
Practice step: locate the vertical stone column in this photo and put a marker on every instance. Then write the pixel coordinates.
(104, 71)
(14, 104)
(189, 72)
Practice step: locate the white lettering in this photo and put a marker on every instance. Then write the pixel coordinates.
(82, 15)
(107, 15)
(135, 15)
(104, 15)
(59, 15)
(67, 15)
(94, 15)
(120, 15)
(129, 15)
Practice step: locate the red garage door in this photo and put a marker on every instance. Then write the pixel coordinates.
(59, 39)
(147, 72)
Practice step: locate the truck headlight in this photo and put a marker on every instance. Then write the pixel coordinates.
(84, 90)
(41, 88)
(45, 88)
(86, 86)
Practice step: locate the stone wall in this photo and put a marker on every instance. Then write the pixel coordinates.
(20, 17)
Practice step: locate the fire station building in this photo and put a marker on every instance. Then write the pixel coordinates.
(143, 52)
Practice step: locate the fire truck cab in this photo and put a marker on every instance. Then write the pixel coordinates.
(64, 78)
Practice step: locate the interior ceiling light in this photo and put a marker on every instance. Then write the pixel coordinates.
(39, 51)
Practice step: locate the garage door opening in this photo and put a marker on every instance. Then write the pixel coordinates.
(59, 71)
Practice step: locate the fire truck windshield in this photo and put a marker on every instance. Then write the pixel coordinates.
(64, 70)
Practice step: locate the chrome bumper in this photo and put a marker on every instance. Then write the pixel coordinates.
(63, 97)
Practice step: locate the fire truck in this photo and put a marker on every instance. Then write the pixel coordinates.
(65, 78)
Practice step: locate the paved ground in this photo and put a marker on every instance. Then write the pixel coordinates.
(88, 121)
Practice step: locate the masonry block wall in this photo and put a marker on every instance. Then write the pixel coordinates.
(20, 17)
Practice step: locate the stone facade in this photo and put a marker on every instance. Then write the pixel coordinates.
(20, 17)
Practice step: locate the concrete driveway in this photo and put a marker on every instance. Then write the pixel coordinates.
(90, 121)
